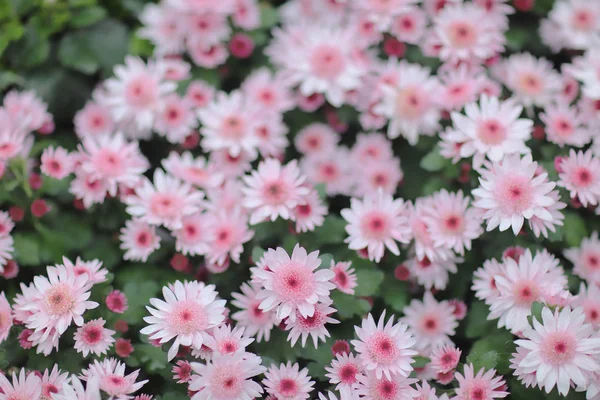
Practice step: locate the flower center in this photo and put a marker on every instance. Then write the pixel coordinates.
(59, 299)
(491, 132)
(558, 348)
(462, 34)
(288, 387)
(327, 62)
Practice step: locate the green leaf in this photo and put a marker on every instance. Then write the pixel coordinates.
(326, 260)
(31, 50)
(139, 46)
(477, 322)
(87, 16)
(420, 362)
(268, 15)
(138, 294)
(27, 249)
(486, 360)
(333, 231)
(369, 281)
(348, 306)
(495, 349)
(575, 229)
(73, 52)
(395, 293)
(433, 161)
(153, 358)
(257, 254)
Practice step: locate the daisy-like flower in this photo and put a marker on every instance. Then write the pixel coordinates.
(136, 92)
(165, 202)
(273, 190)
(589, 299)
(445, 358)
(316, 138)
(491, 129)
(432, 274)
(584, 69)
(510, 192)
(139, 240)
(386, 175)
(410, 103)
(376, 223)
(227, 233)
(93, 337)
(451, 222)
(225, 340)
(94, 120)
(532, 81)
(52, 383)
(270, 91)
(484, 385)
(344, 372)
(576, 23)
(6, 224)
(385, 349)
(23, 387)
(57, 300)
(580, 175)
(371, 147)
(288, 382)
(255, 321)
(565, 125)
(91, 269)
(56, 162)
(175, 119)
(314, 326)
(345, 278)
(293, 283)
(562, 348)
(195, 171)
(116, 302)
(586, 259)
(88, 189)
(188, 311)
(111, 378)
(311, 213)
(524, 282)
(192, 238)
(73, 389)
(6, 250)
(6, 319)
(227, 377)
(331, 168)
(466, 33)
(228, 123)
(396, 387)
(430, 322)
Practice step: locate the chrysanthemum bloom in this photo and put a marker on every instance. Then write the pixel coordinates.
(344, 372)
(462, 85)
(424, 245)
(23, 387)
(57, 300)
(182, 371)
(136, 92)
(371, 147)
(92, 269)
(542, 227)
(532, 81)
(451, 222)
(111, 378)
(314, 326)
(584, 69)
(293, 283)
(332, 168)
(432, 274)
(139, 240)
(273, 190)
(228, 124)
(27, 108)
(195, 171)
(225, 340)
(116, 301)
(255, 321)
(6, 223)
(588, 298)
(586, 259)
(384, 349)
(523, 283)
(484, 385)
(510, 192)
(6, 250)
(563, 349)
(6, 319)
(270, 91)
(88, 189)
(564, 125)
(484, 281)
(56, 162)
(386, 175)
(316, 138)
(431, 322)
(227, 233)
(165, 202)
(175, 119)
(288, 382)
(193, 237)
(491, 129)
(123, 347)
(345, 278)
(376, 223)
(188, 311)
(227, 377)
(311, 213)
(93, 337)
(74, 390)
(396, 387)
(580, 175)
(410, 103)
(445, 358)
(94, 120)
(576, 22)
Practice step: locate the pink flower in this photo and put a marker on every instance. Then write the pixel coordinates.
(302, 327)
(23, 387)
(139, 240)
(288, 382)
(6, 319)
(384, 350)
(345, 278)
(311, 214)
(195, 171)
(268, 90)
(188, 311)
(273, 190)
(510, 192)
(316, 138)
(586, 259)
(89, 189)
(589, 299)
(293, 284)
(165, 202)
(561, 349)
(94, 120)
(182, 371)
(74, 390)
(376, 223)
(484, 385)
(193, 237)
(111, 378)
(116, 302)
(331, 168)
(580, 175)
(56, 162)
(430, 322)
(432, 274)
(175, 119)
(395, 387)
(255, 321)
(123, 347)
(371, 147)
(227, 377)
(227, 233)
(565, 125)
(93, 337)
(228, 340)
(28, 108)
(385, 175)
(445, 358)
(344, 372)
